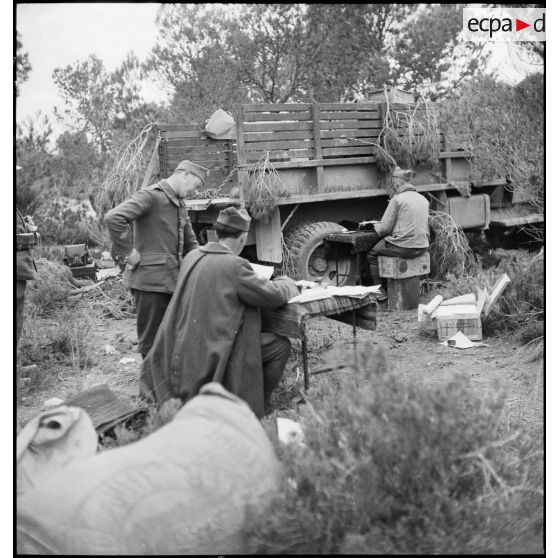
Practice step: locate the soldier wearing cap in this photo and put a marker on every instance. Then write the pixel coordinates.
(212, 328)
(163, 235)
(403, 230)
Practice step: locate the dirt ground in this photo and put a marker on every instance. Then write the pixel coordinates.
(410, 352)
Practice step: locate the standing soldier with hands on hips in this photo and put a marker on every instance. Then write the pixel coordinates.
(162, 235)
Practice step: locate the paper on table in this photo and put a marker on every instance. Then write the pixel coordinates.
(354, 291)
(264, 271)
(308, 295)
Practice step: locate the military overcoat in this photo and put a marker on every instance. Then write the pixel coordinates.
(212, 328)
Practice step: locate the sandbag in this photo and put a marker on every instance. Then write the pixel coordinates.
(50, 442)
(182, 490)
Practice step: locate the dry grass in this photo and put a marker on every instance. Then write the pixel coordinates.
(110, 299)
(264, 187)
(450, 254)
(127, 174)
(410, 137)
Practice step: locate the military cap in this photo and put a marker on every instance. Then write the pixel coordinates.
(403, 174)
(235, 219)
(199, 171)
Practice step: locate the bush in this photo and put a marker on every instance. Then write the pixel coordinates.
(49, 292)
(67, 221)
(396, 467)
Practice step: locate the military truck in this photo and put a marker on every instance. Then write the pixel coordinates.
(324, 157)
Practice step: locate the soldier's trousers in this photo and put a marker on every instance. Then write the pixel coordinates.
(150, 307)
(275, 353)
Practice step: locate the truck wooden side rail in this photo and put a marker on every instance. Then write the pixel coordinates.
(329, 179)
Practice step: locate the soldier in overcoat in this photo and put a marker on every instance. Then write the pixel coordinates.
(162, 235)
(212, 328)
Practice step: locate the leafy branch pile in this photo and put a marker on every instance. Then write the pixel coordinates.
(409, 137)
(126, 176)
(450, 254)
(263, 189)
(503, 127)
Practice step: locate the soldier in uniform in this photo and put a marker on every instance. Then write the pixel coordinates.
(163, 234)
(403, 231)
(25, 269)
(212, 330)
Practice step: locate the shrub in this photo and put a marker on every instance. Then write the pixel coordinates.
(49, 292)
(396, 467)
(67, 221)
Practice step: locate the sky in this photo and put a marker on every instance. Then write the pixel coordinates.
(56, 35)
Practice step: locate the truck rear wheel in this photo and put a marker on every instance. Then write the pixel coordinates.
(308, 255)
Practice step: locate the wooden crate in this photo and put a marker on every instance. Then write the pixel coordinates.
(399, 268)
(394, 95)
(467, 320)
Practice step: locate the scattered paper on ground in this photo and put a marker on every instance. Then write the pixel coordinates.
(126, 360)
(110, 350)
(104, 273)
(289, 431)
(461, 341)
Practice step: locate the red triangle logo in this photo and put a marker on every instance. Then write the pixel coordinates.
(519, 25)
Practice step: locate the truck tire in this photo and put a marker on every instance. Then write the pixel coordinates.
(308, 258)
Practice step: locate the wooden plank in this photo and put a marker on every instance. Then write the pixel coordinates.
(336, 151)
(372, 107)
(196, 149)
(349, 142)
(276, 126)
(350, 124)
(331, 196)
(279, 154)
(335, 134)
(317, 143)
(241, 154)
(268, 239)
(181, 134)
(179, 142)
(275, 116)
(349, 115)
(274, 136)
(176, 127)
(324, 162)
(269, 107)
(186, 136)
(285, 144)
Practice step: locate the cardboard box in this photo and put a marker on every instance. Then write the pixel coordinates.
(463, 317)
